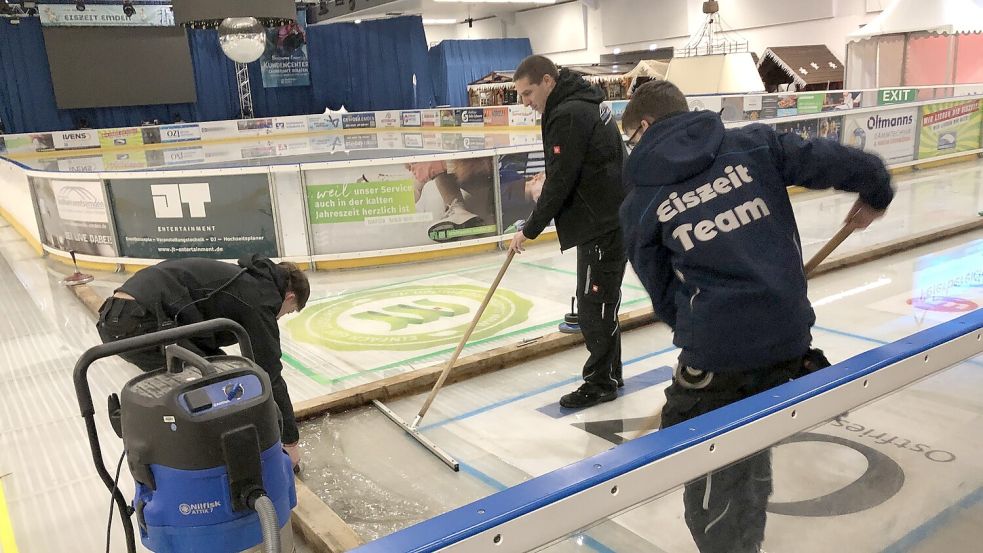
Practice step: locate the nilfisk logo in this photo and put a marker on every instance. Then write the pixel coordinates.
(169, 199)
(205, 508)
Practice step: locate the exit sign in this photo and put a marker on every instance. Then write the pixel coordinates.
(896, 96)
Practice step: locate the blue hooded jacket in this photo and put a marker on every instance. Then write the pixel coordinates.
(709, 230)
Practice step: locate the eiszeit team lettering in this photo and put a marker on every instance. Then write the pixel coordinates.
(734, 177)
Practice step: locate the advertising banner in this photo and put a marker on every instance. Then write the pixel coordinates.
(392, 206)
(808, 104)
(473, 117)
(284, 63)
(807, 129)
(431, 118)
(450, 118)
(521, 177)
(522, 117)
(323, 122)
(221, 217)
(497, 117)
(75, 140)
(889, 134)
(115, 138)
(358, 121)
(836, 101)
(387, 119)
(949, 128)
(105, 15)
(180, 133)
(412, 119)
(74, 216)
(293, 124)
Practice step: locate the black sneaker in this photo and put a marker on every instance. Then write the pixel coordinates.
(587, 396)
(621, 383)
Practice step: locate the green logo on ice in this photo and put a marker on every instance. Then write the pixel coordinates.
(408, 318)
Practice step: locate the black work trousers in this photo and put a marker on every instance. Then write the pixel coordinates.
(726, 510)
(122, 318)
(600, 270)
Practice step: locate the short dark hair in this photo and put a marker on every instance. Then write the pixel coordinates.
(297, 283)
(653, 100)
(534, 68)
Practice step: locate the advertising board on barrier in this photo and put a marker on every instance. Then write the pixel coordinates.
(216, 130)
(184, 132)
(808, 104)
(114, 138)
(430, 118)
(387, 119)
(450, 118)
(411, 119)
(221, 217)
(75, 140)
(358, 120)
(296, 123)
(391, 206)
(522, 117)
(472, 117)
(521, 177)
(284, 63)
(323, 122)
(74, 216)
(948, 128)
(889, 134)
(496, 117)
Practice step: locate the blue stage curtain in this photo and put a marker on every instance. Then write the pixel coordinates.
(454, 64)
(370, 66)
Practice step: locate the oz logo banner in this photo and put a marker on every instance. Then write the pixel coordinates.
(949, 128)
(409, 318)
(218, 217)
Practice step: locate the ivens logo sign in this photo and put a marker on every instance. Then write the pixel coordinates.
(169, 199)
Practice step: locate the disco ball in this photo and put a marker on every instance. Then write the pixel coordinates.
(243, 39)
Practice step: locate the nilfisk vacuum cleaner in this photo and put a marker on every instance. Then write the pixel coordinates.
(202, 438)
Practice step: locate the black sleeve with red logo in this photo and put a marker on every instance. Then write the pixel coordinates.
(565, 144)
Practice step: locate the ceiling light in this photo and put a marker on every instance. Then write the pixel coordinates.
(439, 21)
(617, 51)
(653, 46)
(358, 21)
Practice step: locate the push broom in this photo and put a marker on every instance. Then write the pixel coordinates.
(414, 429)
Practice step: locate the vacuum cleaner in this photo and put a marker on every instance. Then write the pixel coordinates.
(202, 437)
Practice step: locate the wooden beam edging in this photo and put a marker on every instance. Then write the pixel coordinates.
(423, 379)
(322, 529)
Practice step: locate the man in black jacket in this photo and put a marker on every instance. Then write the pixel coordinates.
(582, 193)
(255, 294)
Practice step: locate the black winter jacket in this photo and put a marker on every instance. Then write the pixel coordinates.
(584, 157)
(182, 291)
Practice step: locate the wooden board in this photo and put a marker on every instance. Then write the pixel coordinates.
(321, 527)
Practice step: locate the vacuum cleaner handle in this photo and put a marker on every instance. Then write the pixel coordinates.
(161, 338)
(175, 354)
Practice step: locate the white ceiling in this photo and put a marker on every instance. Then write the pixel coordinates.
(430, 9)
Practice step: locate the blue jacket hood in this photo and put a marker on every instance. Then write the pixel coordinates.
(682, 146)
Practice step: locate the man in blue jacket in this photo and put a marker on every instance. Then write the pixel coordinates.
(709, 229)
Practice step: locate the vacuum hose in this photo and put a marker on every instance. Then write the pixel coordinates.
(269, 523)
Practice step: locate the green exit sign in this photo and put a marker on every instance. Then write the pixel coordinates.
(896, 96)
